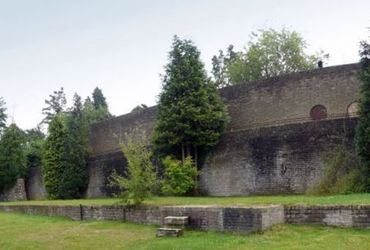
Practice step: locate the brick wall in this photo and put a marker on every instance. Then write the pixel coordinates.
(233, 219)
(347, 216)
(271, 144)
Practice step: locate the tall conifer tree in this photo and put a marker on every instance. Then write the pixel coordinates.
(191, 115)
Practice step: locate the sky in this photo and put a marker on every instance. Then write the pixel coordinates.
(122, 46)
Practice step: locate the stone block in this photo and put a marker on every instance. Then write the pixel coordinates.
(176, 221)
(169, 232)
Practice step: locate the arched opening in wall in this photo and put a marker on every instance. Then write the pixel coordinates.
(318, 112)
(352, 109)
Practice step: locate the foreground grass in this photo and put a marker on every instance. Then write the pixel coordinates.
(38, 232)
(352, 199)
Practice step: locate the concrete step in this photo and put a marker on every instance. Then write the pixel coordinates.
(169, 232)
(176, 221)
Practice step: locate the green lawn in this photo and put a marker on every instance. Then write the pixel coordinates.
(352, 199)
(38, 232)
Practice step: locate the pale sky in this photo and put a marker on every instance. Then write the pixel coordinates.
(122, 46)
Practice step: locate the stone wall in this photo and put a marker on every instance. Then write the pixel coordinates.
(346, 216)
(272, 160)
(223, 219)
(231, 219)
(16, 193)
(271, 145)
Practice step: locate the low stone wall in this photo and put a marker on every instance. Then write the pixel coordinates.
(231, 219)
(16, 193)
(346, 216)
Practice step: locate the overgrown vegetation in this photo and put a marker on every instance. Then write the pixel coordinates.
(269, 53)
(179, 178)
(140, 181)
(342, 174)
(362, 137)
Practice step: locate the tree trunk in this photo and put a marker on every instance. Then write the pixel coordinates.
(182, 153)
(188, 149)
(196, 156)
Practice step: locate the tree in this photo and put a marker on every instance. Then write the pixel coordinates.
(12, 157)
(99, 99)
(3, 115)
(269, 53)
(191, 115)
(35, 139)
(75, 175)
(140, 181)
(220, 67)
(362, 135)
(55, 105)
(54, 161)
(66, 148)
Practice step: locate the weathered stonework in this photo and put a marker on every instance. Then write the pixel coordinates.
(333, 215)
(16, 193)
(271, 145)
(232, 219)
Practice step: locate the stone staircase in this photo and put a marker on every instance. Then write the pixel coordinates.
(173, 226)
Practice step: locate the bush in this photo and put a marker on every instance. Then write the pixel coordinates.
(179, 178)
(342, 174)
(140, 182)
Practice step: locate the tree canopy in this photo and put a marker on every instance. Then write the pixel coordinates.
(269, 53)
(12, 156)
(191, 115)
(55, 105)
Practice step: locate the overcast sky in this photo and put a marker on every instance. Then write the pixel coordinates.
(122, 46)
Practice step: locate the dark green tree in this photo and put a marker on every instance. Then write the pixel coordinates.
(35, 139)
(101, 110)
(191, 115)
(75, 176)
(362, 136)
(54, 160)
(55, 105)
(12, 156)
(3, 115)
(93, 115)
(99, 99)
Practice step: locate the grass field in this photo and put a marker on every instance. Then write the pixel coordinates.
(38, 232)
(352, 199)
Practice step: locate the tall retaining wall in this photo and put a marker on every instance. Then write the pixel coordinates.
(272, 143)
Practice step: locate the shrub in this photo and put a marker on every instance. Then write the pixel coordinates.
(342, 174)
(140, 182)
(179, 178)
